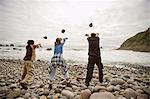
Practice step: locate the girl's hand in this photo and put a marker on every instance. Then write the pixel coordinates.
(66, 38)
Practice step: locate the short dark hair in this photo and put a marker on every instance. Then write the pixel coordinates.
(58, 41)
(93, 34)
(30, 42)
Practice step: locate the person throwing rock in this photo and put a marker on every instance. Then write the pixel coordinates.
(28, 69)
(94, 58)
(58, 60)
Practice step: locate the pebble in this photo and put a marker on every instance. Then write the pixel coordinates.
(110, 88)
(117, 83)
(128, 93)
(13, 94)
(43, 97)
(85, 94)
(27, 95)
(68, 94)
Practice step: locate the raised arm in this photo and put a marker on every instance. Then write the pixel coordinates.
(64, 40)
(97, 34)
(37, 46)
(87, 35)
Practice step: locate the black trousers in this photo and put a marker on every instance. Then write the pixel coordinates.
(91, 62)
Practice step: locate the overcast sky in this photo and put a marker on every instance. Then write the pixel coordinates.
(27, 19)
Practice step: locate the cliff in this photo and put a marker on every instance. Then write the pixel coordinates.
(139, 42)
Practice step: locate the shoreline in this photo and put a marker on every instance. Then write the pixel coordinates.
(109, 57)
(135, 78)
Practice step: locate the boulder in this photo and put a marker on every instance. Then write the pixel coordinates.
(76, 97)
(68, 94)
(57, 90)
(20, 98)
(43, 97)
(4, 90)
(143, 96)
(147, 90)
(117, 81)
(128, 93)
(97, 88)
(110, 88)
(27, 95)
(74, 87)
(13, 86)
(102, 95)
(140, 91)
(46, 92)
(117, 88)
(121, 97)
(13, 94)
(11, 44)
(85, 94)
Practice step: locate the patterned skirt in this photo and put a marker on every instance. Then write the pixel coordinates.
(58, 61)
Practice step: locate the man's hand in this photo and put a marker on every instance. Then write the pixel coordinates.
(40, 45)
(97, 34)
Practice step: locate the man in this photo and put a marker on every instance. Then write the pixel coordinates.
(94, 58)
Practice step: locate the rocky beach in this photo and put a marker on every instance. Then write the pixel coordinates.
(128, 82)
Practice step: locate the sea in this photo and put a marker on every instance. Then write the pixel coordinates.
(114, 20)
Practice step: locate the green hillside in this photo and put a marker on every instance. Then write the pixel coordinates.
(139, 42)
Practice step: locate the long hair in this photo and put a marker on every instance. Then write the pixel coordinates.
(58, 41)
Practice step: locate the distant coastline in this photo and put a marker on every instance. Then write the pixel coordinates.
(140, 42)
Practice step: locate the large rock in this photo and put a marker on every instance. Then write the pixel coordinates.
(13, 86)
(43, 97)
(110, 88)
(97, 88)
(116, 81)
(4, 90)
(76, 97)
(27, 95)
(140, 91)
(74, 87)
(143, 96)
(117, 88)
(147, 90)
(13, 94)
(46, 92)
(121, 97)
(102, 95)
(20, 98)
(128, 93)
(68, 94)
(85, 94)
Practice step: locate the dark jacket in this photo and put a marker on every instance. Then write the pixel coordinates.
(28, 55)
(94, 49)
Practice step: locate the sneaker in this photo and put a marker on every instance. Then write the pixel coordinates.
(68, 84)
(87, 84)
(100, 81)
(23, 85)
(50, 86)
(64, 82)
